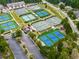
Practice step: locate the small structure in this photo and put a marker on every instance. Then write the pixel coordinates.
(68, 8)
(1, 7)
(16, 5)
(76, 13)
(33, 6)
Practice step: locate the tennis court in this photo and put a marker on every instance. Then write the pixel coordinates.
(43, 25)
(46, 40)
(21, 11)
(58, 34)
(53, 21)
(51, 37)
(28, 17)
(5, 17)
(42, 13)
(8, 25)
(40, 26)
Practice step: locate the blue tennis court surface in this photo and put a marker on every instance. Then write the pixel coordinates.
(58, 34)
(42, 13)
(46, 40)
(5, 17)
(51, 37)
(8, 25)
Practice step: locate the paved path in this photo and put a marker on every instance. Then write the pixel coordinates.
(0, 56)
(31, 46)
(18, 53)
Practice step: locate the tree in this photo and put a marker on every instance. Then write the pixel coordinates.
(32, 1)
(1, 31)
(4, 2)
(39, 43)
(31, 57)
(66, 25)
(64, 54)
(53, 53)
(32, 35)
(71, 14)
(44, 50)
(73, 36)
(59, 46)
(61, 5)
(3, 45)
(26, 51)
(73, 3)
(78, 25)
(54, 1)
(18, 33)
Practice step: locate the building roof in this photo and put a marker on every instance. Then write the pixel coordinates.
(33, 7)
(1, 6)
(15, 5)
(76, 13)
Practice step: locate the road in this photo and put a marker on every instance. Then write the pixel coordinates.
(31, 46)
(18, 53)
(0, 56)
(73, 26)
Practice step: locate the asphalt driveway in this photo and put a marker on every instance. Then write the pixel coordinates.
(18, 53)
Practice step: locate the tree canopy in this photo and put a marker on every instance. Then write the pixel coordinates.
(4, 2)
(3, 45)
(73, 3)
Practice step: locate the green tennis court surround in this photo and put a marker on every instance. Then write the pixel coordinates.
(7, 22)
(51, 37)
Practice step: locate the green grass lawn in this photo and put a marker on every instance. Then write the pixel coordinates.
(11, 54)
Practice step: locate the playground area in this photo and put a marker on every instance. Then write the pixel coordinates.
(51, 37)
